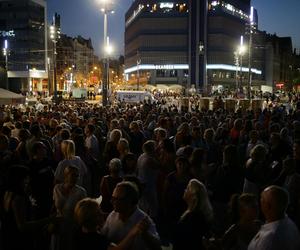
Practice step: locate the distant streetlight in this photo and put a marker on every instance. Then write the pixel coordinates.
(236, 63)
(241, 52)
(251, 31)
(5, 53)
(138, 62)
(106, 9)
(54, 36)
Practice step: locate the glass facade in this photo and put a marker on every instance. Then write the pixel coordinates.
(27, 19)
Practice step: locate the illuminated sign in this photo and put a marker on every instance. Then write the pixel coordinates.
(166, 5)
(164, 66)
(9, 33)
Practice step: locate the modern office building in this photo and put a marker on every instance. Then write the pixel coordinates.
(156, 42)
(195, 50)
(23, 24)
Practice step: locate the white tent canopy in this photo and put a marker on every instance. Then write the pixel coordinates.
(10, 98)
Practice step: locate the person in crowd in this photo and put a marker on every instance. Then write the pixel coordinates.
(278, 232)
(6, 160)
(253, 141)
(109, 182)
(123, 148)
(292, 185)
(137, 138)
(236, 131)
(70, 159)
(37, 135)
(257, 172)
(42, 179)
(296, 154)
(20, 229)
(65, 196)
(91, 142)
(129, 165)
(198, 164)
(183, 136)
(244, 216)
(173, 205)
(147, 172)
(63, 134)
(228, 177)
(196, 221)
(111, 146)
(214, 155)
(126, 215)
(21, 152)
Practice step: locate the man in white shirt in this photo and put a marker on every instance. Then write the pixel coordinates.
(279, 232)
(126, 216)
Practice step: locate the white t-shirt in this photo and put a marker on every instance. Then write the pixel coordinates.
(278, 235)
(116, 230)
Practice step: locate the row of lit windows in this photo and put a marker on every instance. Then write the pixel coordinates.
(228, 8)
(163, 7)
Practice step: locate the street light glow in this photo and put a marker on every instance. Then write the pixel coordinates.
(109, 49)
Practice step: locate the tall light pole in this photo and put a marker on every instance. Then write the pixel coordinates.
(105, 81)
(236, 63)
(241, 53)
(54, 36)
(5, 53)
(138, 62)
(251, 30)
(49, 69)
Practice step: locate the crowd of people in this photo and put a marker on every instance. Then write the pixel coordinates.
(147, 176)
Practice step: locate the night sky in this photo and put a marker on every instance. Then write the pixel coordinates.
(83, 17)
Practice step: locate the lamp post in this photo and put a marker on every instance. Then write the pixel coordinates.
(54, 36)
(5, 53)
(241, 53)
(236, 63)
(49, 69)
(251, 30)
(105, 82)
(138, 62)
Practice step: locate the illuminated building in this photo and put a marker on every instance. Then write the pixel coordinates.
(156, 42)
(178, 42)
(27, 60)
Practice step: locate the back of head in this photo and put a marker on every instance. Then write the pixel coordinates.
(131, 191)
(238, 202)
(68, 149)
(88, 214)
(149, 147)
(277, 200)
(202, 204)
(259, 152)
(115, 165)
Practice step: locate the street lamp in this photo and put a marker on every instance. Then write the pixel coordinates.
(106, 9)
(241, 51)
(138, 62)
(236, 63)
(54, 36)
(251, 31)
(5, 53)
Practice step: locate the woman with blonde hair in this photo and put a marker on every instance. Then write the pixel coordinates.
(70, 159)
(196, 220)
